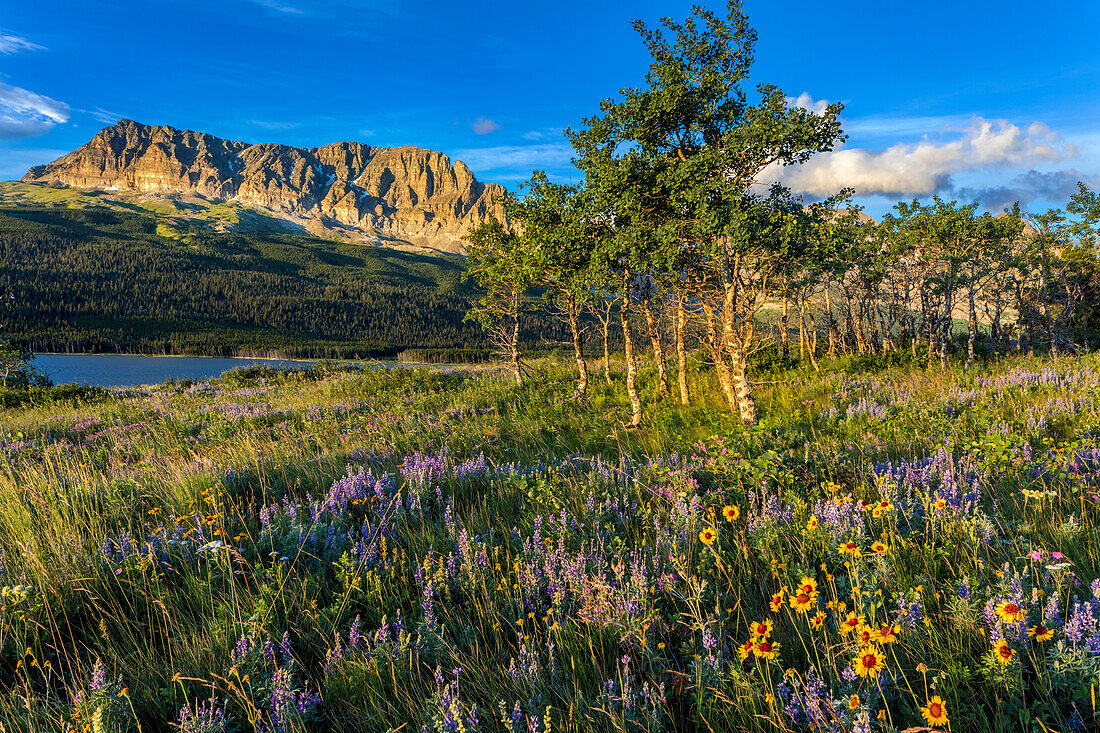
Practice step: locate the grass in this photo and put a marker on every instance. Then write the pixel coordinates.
(348, 550)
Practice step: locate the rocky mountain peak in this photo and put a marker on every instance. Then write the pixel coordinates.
(402, 195)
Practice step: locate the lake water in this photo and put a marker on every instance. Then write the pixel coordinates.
(127, 370)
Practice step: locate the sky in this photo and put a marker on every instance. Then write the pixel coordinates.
(971, 101)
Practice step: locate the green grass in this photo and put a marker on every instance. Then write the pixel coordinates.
(562, 568)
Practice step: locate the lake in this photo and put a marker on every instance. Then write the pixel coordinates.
(128, 370)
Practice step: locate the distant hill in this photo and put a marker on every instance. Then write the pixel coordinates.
(403, 196)
(104, 279)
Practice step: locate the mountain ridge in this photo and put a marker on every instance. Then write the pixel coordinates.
(346, 190)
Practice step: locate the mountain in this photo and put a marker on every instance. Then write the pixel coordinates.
(349, 191)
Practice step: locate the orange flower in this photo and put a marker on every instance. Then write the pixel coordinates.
(865, 634)
(879, 548)
(818, 619)
(777, 600)
(745, 650)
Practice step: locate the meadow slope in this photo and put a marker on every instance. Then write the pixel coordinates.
(345, 550)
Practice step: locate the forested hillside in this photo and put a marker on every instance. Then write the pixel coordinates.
(90, 280)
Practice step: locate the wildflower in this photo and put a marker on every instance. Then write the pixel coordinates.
(1040, 633)
(850, 548)
(868, 661)
(853, 702)
(807, 585)
(1010, 612)
(940, 504)
(1003, 652)
(811, 524)
(818, 620)
(851, 623)
(887, 634)
(865, 634)
(803, 602)
(935, 712)
(708, 536)
(777, 601)
(731, 513)
(765, 649)
(761, 629)
(746, 650)
(879, 548)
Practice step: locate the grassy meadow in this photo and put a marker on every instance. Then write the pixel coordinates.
(404, 550)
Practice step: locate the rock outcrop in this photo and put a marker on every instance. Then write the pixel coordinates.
(403, 195)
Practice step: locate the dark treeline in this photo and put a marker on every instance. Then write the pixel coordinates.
(97, 280)
(680, 236)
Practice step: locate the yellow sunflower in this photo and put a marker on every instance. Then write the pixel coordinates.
(761, 629)
(851, 623)
(879, 548)
(708, 536)
(1010, 612)
(745, 650)
(1040, 633)
(935, 712)
(1003, 652)
(731, 513)
(818, 619)
(850, 548)
(868, 661)
(766, 649)
(803, 602)
(887, 634)
(777, 600)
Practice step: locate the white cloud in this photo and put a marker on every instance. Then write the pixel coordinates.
(483, 126)
(516, 157)
(924, 168)
(534, 135)
(26, 114)
(805, 101)
(16, 44)
(279, 7)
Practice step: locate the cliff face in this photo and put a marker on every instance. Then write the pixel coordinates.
(405, 194)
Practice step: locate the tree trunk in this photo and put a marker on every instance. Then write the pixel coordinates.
(812, 342)
(513, 346)
(946, 335)
(581, 392)
(606, 323)
(971, 327)
(832, 323)
(718, 354)
(631, 365)
(681, 350)
(653, 324)
(784, 336)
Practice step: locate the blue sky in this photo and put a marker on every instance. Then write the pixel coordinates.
(973, 101)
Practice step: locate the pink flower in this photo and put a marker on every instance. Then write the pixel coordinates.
(1057, 556)
(1036, 555)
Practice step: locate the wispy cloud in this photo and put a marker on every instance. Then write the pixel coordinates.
(925, 168)
(279, 7)
(515, 158)
(24, 113)
(10, 44)
(483, 126)
(275, 125)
